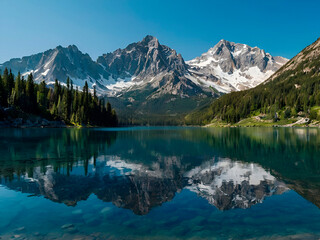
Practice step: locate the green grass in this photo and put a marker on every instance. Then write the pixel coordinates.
(316, 108)
(252, 122)
(218, 123)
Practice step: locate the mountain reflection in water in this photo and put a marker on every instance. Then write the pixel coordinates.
(139, 170)
(225, 184)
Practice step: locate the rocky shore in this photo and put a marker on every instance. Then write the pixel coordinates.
(15, 118)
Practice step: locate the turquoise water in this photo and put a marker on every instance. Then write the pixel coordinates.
(160, 183)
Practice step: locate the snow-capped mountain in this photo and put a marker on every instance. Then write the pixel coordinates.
(148, 78)
(148, 66)
(141, 65)
(60, 63)
(232, 66)
(141, 60)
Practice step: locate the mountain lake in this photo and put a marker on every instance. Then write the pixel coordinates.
(160, 183)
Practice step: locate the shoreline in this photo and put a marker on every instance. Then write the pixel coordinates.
(257, 122)
(3, 126)
(259, 126)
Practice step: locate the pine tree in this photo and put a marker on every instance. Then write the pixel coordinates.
(53, 110)
(59, 107)
(10, 85)
(56, 91)
(114, 121)
(17, 92)
(75, 105)
(68, 83)
(49, 97)
(95, 98)
(65, 104)
(42, 95)
(85, 103)
(31, 96)
(108, 107)
(4, 96)
(2, 92)
(68, 103)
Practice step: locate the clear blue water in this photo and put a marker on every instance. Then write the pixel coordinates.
(160, 183)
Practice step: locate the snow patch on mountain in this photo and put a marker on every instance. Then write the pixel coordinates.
(45, 72)
(232, 66)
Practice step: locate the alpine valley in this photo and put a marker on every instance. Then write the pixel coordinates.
(150, 83)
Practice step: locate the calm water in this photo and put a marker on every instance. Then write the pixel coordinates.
(160, 183)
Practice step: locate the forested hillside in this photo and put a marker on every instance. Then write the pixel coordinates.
(65, 103)
(292, 91)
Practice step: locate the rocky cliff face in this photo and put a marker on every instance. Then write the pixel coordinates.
(232, 66)
(141, 60)
(150, 69)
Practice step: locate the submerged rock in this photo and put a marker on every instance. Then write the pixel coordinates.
(78, 211)
(20, 229)
(72, 230)
(66, 226)
(105, 210)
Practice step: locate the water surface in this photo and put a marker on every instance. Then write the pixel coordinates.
(160, 183)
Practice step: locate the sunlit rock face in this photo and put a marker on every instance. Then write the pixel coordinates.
(141, 60)
(223, 183)
(227, 184)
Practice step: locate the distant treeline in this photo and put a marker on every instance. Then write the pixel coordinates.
(57, 103)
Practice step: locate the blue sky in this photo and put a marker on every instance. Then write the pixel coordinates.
(281, 27)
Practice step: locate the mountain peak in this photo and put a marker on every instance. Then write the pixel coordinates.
(59, 47)
(223, 41)
(73, 48)
(149, 38)
(151, 41)
(142, 60)
(235, 66)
